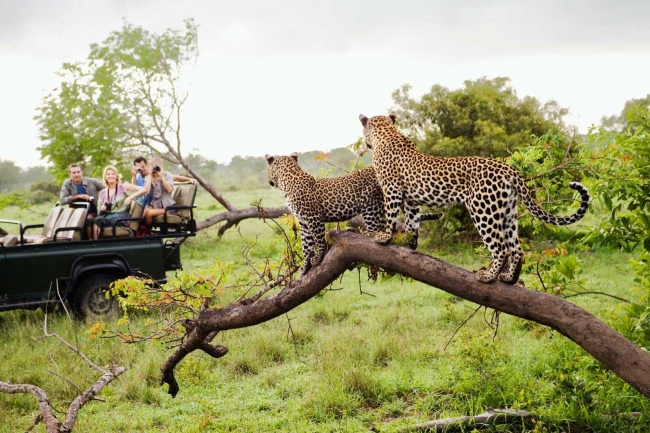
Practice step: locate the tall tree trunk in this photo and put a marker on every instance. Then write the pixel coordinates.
(602, 342)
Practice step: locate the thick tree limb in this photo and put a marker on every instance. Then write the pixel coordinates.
(234, 217)
(487, 419)
(602, 342)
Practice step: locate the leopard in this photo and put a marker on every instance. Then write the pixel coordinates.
(316, 201)
(489, 189)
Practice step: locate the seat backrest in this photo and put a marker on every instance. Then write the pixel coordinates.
(50, 222)
(135, 212)
(9, 240)
(77, 219)
(184, 194)
(62, 220)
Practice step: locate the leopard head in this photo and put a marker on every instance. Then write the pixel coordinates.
(279, 166)
(373, 127)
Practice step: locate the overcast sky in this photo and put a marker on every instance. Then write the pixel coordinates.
(282, 76)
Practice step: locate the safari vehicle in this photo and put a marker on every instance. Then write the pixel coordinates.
(59, 265)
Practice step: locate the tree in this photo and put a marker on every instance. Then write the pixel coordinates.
(9, 175)
(620, 122)
(484, 118)
(125, 99)
(625, 192)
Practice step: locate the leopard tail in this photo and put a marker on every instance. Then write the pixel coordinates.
(547, 217)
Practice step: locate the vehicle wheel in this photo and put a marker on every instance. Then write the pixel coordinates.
(90, 298)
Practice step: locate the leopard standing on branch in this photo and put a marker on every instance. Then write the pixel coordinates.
(315, 202)
(488, 188)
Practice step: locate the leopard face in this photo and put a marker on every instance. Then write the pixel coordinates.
(488, 188)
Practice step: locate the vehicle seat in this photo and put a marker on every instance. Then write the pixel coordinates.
(9, 240)
(48, 227)
(121, 231)
(77, 219)
(184, 195)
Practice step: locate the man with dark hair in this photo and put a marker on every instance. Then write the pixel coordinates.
(80, 189)
(139, 171)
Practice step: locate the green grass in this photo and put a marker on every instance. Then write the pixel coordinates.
(355, 360)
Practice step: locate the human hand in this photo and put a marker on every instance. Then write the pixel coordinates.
(103, 209)
(127, 201)
(134, 170)
(192, 180)
(85, 197)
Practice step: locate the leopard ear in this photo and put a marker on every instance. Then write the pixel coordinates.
(294, 155)
(363, 119)
(392, 117)
(269, 159)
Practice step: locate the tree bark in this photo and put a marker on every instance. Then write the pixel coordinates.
(234, 217)
(487, 419)
(602, 342)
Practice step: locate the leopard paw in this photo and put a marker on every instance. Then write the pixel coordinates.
(484, 276)
(381, 237)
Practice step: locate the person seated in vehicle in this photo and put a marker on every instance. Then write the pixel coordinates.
(114, 201)
(80, 189)
(160, 185)
(140, 171)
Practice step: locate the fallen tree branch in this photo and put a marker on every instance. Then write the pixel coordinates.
(347, 248)
(52, 424)
(489, 418)
(235, 217)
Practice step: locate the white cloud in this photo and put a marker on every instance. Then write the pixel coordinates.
(283, 76)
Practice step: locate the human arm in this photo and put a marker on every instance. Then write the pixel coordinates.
(66, 196)
(130, 187)
(167, 181)
(180, 178)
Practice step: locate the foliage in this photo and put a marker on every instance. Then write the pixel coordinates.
(12, 199)
(13, 177)
(484, 118)
(122, 100)
(177, 301)
(620, 122)
(625, 194)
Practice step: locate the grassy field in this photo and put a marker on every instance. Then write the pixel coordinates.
(355, 360)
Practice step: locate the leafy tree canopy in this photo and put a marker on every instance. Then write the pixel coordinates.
(620, 122)
(485, 117)
(124, 99)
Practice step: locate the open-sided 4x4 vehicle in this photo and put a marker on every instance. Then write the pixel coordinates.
(58, 264)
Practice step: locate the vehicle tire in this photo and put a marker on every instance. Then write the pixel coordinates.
(90, 300)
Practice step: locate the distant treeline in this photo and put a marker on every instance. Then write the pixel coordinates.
(242, 172)
(250, 171)
(13, 177)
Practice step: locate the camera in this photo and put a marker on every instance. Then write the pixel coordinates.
(156, 168)
(109, 206)
(139, 169)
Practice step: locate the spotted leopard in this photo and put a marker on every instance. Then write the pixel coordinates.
(488, 188)
(317, 201)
